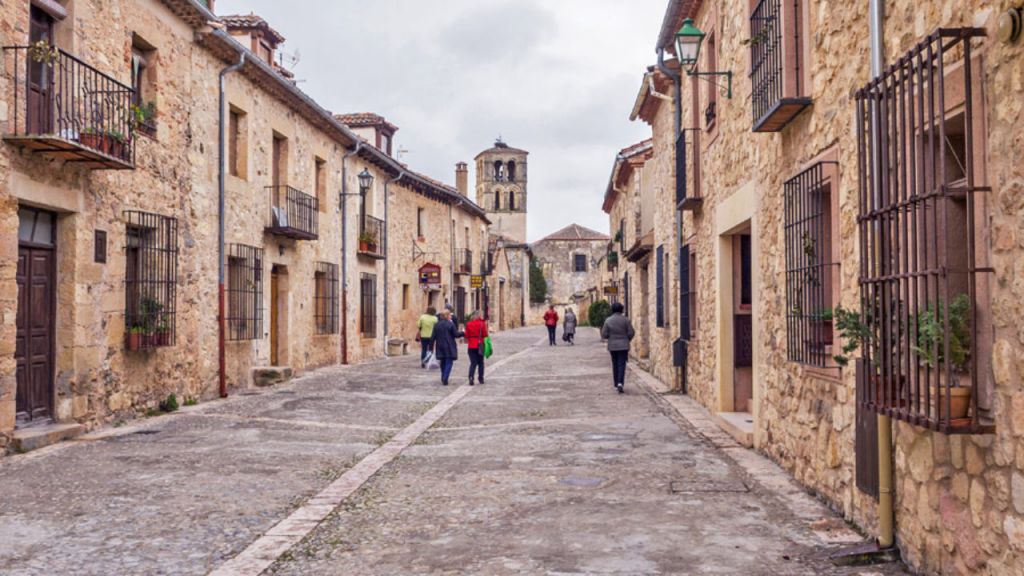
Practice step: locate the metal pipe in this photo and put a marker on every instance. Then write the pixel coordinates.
(221, 181)
(386, 264)
(886, 536)
(344, 250)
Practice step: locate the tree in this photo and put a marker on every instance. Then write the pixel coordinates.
(599, 312)
(538, 285)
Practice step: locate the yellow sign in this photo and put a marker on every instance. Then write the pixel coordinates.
(476, 282)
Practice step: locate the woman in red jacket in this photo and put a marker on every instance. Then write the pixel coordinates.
(551, 321)
(476, 331)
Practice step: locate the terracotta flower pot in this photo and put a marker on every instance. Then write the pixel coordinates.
(364, 246)
(134, 341)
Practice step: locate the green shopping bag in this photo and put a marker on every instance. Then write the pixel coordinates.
(488, 348)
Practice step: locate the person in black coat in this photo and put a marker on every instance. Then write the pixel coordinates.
(445, 348)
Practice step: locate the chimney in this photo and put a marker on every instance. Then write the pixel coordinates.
(462, 178)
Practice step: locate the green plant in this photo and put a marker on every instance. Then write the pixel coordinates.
(613, 259)
(367, 237)
(823, 315)
(149, 314)
(853, 331)
(138, 329)
(191, 401)
(43, 53)
(932, 336)
(538, 284)
(598, 313)
(143, 114)
(170, 404)
(618, 235)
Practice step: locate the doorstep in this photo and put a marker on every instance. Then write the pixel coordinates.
(264, 376)
(36, 437)
(739, 425)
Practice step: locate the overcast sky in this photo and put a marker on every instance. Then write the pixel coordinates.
(555, 77)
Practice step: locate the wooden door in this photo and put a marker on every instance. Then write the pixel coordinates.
(274, 314)
(34, 337)
(39, 92)
(743, 333)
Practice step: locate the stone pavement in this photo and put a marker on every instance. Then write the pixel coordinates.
(542, 470)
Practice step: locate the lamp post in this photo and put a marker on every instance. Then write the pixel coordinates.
(365, 183)
(688, 44)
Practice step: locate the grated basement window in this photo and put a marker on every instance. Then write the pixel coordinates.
(245, 292)
(151, 280)
(368, 305)
(326, 298)
(923, 289)
(809, 266)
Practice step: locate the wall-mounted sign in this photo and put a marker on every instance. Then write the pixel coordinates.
(476, 282)
(430, 276)
(611, 289)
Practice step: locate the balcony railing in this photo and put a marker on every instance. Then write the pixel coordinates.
(371, 238)
(63, 108)
(293, 214)
(487, 264)
(775, 101)
(463, 261)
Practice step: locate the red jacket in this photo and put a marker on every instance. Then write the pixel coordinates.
(476, 331)
(551, 318)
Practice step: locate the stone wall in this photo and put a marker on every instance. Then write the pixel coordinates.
(566, 287)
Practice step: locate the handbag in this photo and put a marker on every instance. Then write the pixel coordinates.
(432, 363)
(488, 347)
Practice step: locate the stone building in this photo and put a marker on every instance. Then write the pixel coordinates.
(571, 260)
(113, 269)
(802, 227)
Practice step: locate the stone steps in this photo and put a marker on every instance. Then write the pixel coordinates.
(36, 437)
(264, 376)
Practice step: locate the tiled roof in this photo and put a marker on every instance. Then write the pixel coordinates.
(251, 21)
(576, 232)
(501, 147)
(638, 148)
(364, 119)
(678, 10)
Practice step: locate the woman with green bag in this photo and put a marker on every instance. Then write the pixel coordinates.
(476, 337)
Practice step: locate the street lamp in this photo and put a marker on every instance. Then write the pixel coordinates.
(365, 180)
(688, 43)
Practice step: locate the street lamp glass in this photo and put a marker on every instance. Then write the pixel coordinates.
(365, 179)
(688, 41)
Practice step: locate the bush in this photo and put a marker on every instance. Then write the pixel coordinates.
(538, 285)
(169, 405)
(599, 312)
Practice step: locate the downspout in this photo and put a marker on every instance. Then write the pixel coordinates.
(221, 182)
(886, 519)
(387, 337)
(451, 272)
(677, 80)
(344, 250)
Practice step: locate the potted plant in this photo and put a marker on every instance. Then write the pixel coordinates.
(953, 372)
(149, 320)
(162, 336)
(134, 338)
(821, 326)
(367, 242)
(43, 52)
(143, 117)
(613, 259)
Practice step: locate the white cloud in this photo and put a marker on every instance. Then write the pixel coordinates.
(555, 77)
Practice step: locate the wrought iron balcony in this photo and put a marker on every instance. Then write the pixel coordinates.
(371, 238)
(64, 108)
(293, 214)
(463, 261)
(775, 100)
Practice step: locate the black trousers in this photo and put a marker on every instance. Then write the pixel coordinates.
(551, 335)
(476, 359)
(619, 360)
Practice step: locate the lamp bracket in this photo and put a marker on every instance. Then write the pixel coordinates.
(726, 90)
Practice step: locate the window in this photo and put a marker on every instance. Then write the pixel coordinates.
(368, 305)
(579, 262)
(405, 296)
(320, 181)
(499, 171)
(625, 291)
(237, 128)
(512, 171)
(746, 288)
(511, 200)
(421, 216)
(385, 143)
(144, 83)
(811, 269)
(265, 52)
(244, 292)
(151, 279)
(924, 302)
(497, 200)
(711, 110)
(622, 235)
(694, 310)
(325, 298)
(279, 161)
(778, 67)
(659, 287)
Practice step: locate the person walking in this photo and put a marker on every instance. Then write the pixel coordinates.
(445, 348)
(569, 327)
(618, 331)
(476, 331)
(425, 325)
(551, 321)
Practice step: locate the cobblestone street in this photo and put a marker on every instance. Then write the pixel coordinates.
(542, 470)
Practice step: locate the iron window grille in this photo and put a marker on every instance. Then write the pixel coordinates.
(810, 269)
(659, 284)
(579, 262)
(776, 83)
(244, 292)
(326, 298)
(464, 261)
(685, 293)
(371, 237)
(293, 213)
(368, 305)
(923, 267)
(151, 280)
